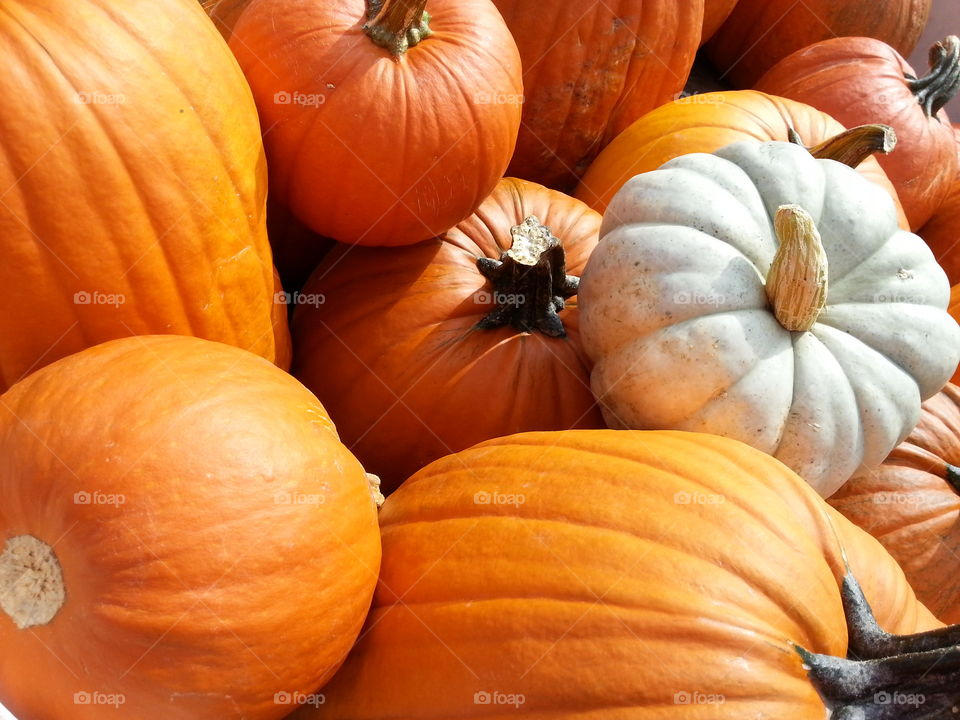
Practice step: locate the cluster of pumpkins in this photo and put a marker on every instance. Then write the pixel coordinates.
(656, 382)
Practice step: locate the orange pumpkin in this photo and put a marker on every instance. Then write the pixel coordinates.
(296, 249)
(182, 535)
(859, 80)
(133, 187)
(911, 504)
(705, 123)
(421, 351)
(224, 14)
(760, 33)
(384, 125)
(714, 14)
(942, 231)
(629, 575)
(589, 70)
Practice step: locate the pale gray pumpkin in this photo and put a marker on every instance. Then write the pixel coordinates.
(675, 313)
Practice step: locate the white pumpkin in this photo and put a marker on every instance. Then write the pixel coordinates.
(675, 312)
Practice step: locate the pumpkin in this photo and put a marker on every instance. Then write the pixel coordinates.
(865, 80)
(911, 504)
(422, 351)
(182, 534)
(628, 575)
(388, 124)
(705, 123)
(224, 14)
(760, 33)
(712, 304)
(714, 13)
(941, 231)
(296, 249)
(589, 70)
(133, 188)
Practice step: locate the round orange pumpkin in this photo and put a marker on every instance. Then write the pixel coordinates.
(942, 231)
(760, 33)
(706, 123)
(628, 575)
(182, 535)
(416, 352)
(911, 504)
(132, 186)
(859, 80)
(589, 70)
(384, 124)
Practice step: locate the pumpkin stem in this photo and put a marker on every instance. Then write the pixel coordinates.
(397, 24)
(853, 146)
(953, 477)
(529, 281)
(935, 90)
(887, 676)
(374, 481)
(31, 582)
(797, 282)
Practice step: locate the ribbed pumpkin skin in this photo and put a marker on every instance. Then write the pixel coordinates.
(859, 81)
(603, 595)
(942, 231)
(706, 123)
(201, 595)
(380, 150)
(760, 33)
(911, 508)
(153, 190)
(393, 354)
(589, 70)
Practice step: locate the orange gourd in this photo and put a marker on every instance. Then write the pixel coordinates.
(386, 122)
(133, 186)
(714, 14)
(182, 535)
(630, 575)
(942, 231)
(422, 351)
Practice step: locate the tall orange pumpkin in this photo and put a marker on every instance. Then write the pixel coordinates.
(859, 80)
(182, 535)
(132, 189)
(636, 576)
(705, 123)
(589, 70)
(760, 33)
(422, 351)
(911, 504)
(386, 122)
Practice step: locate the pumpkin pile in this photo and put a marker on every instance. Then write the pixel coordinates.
(643, 316)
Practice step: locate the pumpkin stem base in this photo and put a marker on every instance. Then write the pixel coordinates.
(529, 281)
(397, 25)
(31, 582)
(936, 89)
(885, 676)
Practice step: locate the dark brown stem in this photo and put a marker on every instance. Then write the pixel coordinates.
(529, 281)
(953, 477)
(885, 676)
(936, 89)
(397, 24)
(853, 146)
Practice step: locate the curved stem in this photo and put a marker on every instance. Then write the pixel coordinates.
(529, 281)
(397, 24)
(796, 284)
(885, 676)
(853, 146)
(936, 89)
